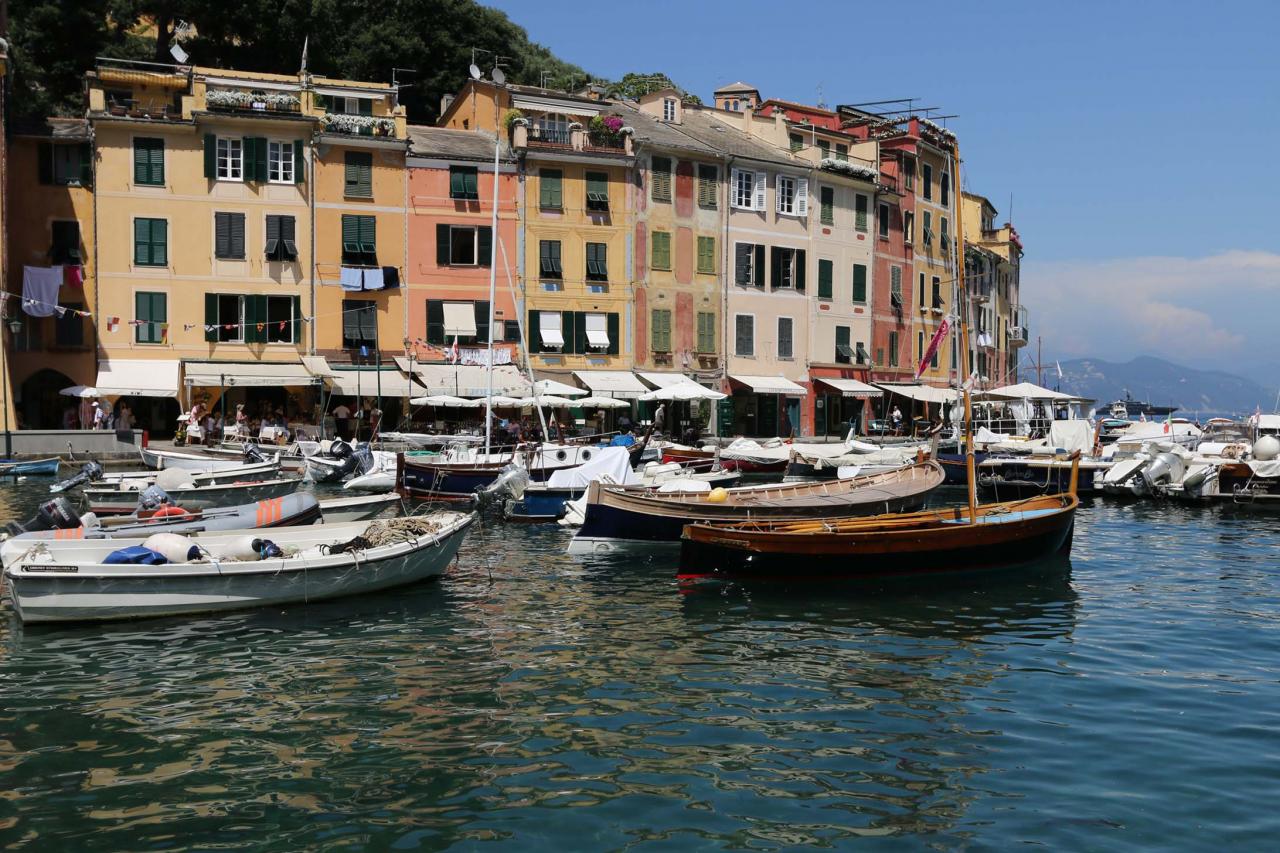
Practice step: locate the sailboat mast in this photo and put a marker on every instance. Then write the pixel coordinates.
(493, 286)
(962, 319)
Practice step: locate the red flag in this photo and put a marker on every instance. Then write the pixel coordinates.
(933, 346)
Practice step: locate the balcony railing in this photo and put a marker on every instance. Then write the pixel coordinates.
(605, 142)
(549, 136)
(250, 103)
(358, 125)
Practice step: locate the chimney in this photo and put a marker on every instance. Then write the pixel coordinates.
(445, 101)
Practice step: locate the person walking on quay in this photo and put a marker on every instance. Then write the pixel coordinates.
(88, 408)
(342, 419)
(660, 419)
(124, 420)
(897, 420)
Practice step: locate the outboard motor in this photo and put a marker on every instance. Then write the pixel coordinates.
(340, 449)
(360, 461)
(90, 472)
(152, 498)
(510, 482)
(253, 454)
(54, 514)
(1166, 467)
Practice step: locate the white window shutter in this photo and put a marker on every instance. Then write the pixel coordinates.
(802, 196)
(733, 188)
(759, 194)
(777, 193)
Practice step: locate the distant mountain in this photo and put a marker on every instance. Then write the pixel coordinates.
(1163, 383)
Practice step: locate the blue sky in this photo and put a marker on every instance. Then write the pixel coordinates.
(1124, 131)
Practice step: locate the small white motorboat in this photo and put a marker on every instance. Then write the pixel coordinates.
(114, 501)
(73, 582)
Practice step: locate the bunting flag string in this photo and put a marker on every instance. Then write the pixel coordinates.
(60, 310)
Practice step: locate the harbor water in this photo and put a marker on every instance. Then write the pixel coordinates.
(530, 700)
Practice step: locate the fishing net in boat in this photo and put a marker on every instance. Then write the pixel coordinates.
(389, 531)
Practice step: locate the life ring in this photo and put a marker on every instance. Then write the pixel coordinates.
(170, 512)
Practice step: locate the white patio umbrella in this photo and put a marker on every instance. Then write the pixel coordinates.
(446, 401)
(602, 403)
(547, 400)
(80, 391)
(682, 391)
(502, 400)
(551, 386)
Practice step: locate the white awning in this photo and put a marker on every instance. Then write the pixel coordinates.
(549, 328)
(212, 374)
(597, 331)
(138, 378)
(665, 380)
(364, 383)
(611, 383)
(560, 389)
(317, 365)
(770, 385)
(470, 380)
(922, 393)
(850, 387)
(459, 319)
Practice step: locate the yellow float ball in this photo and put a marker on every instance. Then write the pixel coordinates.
(718, 495)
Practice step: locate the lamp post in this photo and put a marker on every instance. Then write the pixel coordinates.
(15, 326)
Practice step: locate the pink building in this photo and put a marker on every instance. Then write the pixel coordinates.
(449, 201)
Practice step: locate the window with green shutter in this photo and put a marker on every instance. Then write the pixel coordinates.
(661, 330)
(707, 255)
(860, 211)
(148, 161)
(661, 255)
(359, 323)
(824, 149)
(860, 283)
(827, 206)
(706, 332)
(464, 183)
(549, 258)
(708, 186)
(65, 165)
(660, 179)
(597, 191)
(844, 352)
(597, 262)
(359, 174)
(281, 243)
(842, 151)
(152, 312)
(150, 242)
(228, 231)
(826, 272)
(551, 189)
(359, 240)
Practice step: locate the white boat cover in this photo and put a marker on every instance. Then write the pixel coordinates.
(1072, 436)
(1269, 468)
(138, 378)
(770, 385)
(612, 383)
(260, 374)
(849, 387)
(613, 462)
(364, 382)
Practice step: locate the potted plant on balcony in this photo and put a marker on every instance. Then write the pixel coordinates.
(607, 131)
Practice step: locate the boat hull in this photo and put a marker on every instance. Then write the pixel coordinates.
(111, 593)
(34, 467)
(952, 547)
(108, 502)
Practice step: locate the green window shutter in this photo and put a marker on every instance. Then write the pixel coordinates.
(860, 213)
(825, 273)
(250, 320)
(661, 255)
(535, 332)
(566, 332)
(86, 164)
(260, 159)
(457, 186)
(141, 162)
(828, 206)
(471, 181)
(435, 322)
(660, 180)
(660, 330)
(297, 319)
(156, 173)
(142, 312)
(859, 283)
(369, 237)
(260, 309)
(237, 235)
(160, 242)
(612, 328)
(480, 309)
(551, 189)
(210, 156)
(350, 238)
(272, 247)
(248, 159)
(801, 270)
(358, 173)
(222, 235)
(141, 242)
(211, 317)
(442, 245)
(707, 180)
(484, 245)
(299, 168)
(45, 166)
(707, 255)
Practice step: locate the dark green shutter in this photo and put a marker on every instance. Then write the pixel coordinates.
(297, 319)
(742, 256)
(435, 322)
(612, 321)
(141, 241)
(824, 279)
(156, 157)
(483, 329)
(250, 320)
(580, 343)
(211, 317)
(221, 235)
(566, 332)
(471, 180)
(210, 156)
(260, 159)
(757, 270)
(550, 189)
(859, 283)
(775, 266)
(299, 169)
(45, 167)
(457, 187)
(369, 238)
(442, 246)
(800, 270)
(484, 243)
(237, 235)
(535, 333)
(86, 164)
(160, 242)
(350, 238)
(273, 237)
(263, 316)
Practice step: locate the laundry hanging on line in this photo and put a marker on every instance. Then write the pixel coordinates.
(40, 287)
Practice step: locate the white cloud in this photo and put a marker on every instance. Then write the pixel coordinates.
(1206, 312)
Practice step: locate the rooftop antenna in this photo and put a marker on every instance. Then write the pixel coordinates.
(398, 84)
(543, 77)
(821, 104)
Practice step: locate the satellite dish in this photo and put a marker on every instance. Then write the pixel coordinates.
(179, 55)
(498, 76)
(475, 71)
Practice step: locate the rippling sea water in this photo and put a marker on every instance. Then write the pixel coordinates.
(529, 700)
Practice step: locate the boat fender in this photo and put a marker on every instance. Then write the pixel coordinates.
(239, 548)
(718, 495)
(175, 547)
(1196, 477)
(1266, 448)
(267, 549)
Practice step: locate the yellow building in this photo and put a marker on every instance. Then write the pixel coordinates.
(993, 258)
(574, 267)
(50, 168)
(935, 249)
(206, 199)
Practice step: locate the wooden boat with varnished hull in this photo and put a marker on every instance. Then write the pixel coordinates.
(886, 547)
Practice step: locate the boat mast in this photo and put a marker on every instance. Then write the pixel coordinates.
(962, 319)
(493, 280)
